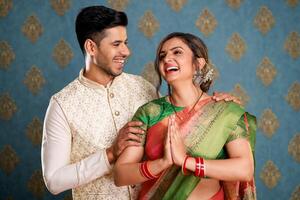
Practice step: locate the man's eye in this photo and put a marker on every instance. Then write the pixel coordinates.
(116, 44)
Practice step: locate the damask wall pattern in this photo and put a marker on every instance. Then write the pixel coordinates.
(254, 47)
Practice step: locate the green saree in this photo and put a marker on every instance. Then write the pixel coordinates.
(207, 129)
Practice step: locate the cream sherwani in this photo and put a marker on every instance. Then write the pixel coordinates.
(82, 120)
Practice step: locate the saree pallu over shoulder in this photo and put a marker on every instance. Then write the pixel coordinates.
(206, 133)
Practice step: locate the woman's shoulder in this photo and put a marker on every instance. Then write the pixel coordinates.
(232, 107)
(155, 103)
(239, 110)
(150, 110)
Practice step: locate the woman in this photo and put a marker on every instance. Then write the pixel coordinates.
(195, 148)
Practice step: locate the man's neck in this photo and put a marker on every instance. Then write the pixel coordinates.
(97, 75)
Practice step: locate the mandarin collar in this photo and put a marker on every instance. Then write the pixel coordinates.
(92, 84)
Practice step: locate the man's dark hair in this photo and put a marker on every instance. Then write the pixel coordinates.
(92, 21)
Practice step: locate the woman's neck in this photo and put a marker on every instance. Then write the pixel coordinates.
(185, 94)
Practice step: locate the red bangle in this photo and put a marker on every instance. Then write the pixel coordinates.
(183, 167)
(202, 167)
(145, 171)
(199, 167)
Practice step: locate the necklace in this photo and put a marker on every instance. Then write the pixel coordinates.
(190, 111)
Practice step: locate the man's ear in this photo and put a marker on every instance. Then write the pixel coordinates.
(90, 47)
(201, 62)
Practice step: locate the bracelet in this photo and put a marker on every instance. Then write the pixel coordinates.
(145, 171)
(199, 167)
(183, 166)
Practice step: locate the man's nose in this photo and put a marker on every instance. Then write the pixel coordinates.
(125, 50)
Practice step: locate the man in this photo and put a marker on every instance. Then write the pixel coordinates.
(85, 127)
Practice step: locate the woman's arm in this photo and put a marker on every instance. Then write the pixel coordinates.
(127, 167)
(239, 166)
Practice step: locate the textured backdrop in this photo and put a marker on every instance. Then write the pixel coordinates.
(254, 46)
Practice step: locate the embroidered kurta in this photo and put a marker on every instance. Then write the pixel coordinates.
(82, 120)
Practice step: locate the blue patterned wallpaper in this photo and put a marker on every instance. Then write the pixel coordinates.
(254, 46)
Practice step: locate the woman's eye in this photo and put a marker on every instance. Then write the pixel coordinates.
(177, 52)
(161, 56)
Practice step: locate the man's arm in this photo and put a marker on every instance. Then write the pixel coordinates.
(59, 175)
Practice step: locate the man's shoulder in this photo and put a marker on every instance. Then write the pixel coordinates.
(70, 88)
(132, 78)
(136, 79)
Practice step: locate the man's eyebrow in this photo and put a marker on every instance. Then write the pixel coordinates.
(120, 41)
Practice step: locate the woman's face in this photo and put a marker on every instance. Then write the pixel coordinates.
(176, 61)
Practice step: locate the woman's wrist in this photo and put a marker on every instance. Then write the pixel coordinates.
(164, 164)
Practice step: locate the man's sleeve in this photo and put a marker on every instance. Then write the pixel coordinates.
(58, 173)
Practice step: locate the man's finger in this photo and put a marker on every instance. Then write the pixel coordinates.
(135, 130)
(132, 143)
(134, 123)
(131, 136)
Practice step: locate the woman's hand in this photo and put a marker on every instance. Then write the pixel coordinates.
(167, 159)
(178, 150)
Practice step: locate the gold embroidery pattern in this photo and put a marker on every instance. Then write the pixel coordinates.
(9, 159)
(118, 4)
(292, 45)
(292, 3)
(34, 131)
(264, 20)
(240, 93)
(62, 53)
(268, 123)
(236, 47)
(6, 55)
(293, 97)
(294, 147)
(234, 4)
(60, 6)
(206, 23)
(266, 71)
(5, 6)
(150, 74)
(36, 184)
(176, 5)
(270, 174)
(7, 107)
(32, 28)
(296, 194)
(34, 80)
(148, 24)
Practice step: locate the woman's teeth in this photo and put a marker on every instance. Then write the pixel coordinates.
(172, 68)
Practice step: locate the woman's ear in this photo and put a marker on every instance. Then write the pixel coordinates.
(90, 47)
(201, 62)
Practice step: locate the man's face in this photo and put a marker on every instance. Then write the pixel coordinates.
(112, 51)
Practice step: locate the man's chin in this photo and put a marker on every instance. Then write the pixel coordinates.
(117, 73)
